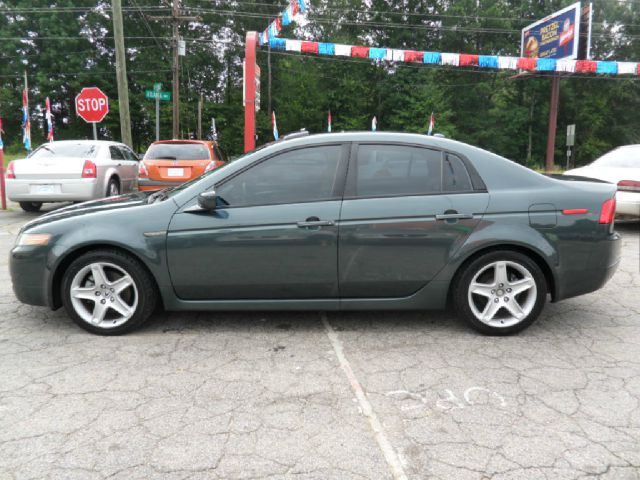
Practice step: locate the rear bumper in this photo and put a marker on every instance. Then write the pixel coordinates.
(146, 184)
(628, 203)
(595, 272)
(59, 190)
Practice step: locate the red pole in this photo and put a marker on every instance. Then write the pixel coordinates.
(553, 122)
(250, 91)
(2, 184)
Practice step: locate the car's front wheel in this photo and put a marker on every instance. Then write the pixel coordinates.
(31, 206)
(108, 292)
(500, 293)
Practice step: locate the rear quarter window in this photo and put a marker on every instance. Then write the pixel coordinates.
(455, 177)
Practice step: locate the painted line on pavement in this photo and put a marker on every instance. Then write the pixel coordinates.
(390, 454)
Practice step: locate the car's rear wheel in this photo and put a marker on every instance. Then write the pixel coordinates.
(113, 188)
(500, 293)
(31, 206)
(108, 292)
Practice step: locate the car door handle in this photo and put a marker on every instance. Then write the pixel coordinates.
(315, 222)
(454, 216)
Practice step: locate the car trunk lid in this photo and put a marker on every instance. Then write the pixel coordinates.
(51, 168)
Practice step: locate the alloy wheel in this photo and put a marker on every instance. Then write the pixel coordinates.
(502, 294)
(104, 295)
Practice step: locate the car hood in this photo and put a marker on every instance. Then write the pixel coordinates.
(94, 206)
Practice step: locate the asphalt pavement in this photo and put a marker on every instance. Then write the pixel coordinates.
(370, 395)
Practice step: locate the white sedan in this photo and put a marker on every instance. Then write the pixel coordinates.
(622, 167)
(72, 170)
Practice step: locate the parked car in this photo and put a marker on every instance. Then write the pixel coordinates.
(343, 221)
(72, 170)
(168, 163)
(622, 167)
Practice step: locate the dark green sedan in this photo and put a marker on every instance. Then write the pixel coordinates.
(349, 221)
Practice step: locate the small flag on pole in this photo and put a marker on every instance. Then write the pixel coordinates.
(47, 114)
(275, 126)
(432, 124)
(329, 122)
(1, 132)
(374, 124)
(26, 125)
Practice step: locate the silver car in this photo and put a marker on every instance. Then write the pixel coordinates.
(72, 170)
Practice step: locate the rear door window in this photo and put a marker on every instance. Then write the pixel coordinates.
(396, 170)
(116, 153)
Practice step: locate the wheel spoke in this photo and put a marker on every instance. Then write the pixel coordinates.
(482, 289)
(84, 293)
(99, 312)
(121, 307)
(99, 277)
(514, 308)
(501, 273)
(490, 310)
(520, 286)
(121, 284)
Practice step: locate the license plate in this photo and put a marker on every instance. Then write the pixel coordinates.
(43, 189)
(175, 172)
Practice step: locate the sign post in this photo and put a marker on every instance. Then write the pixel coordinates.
(2, 184)
(92, 105)
(157, 95)
(249, 90)
(571, 140)
(563, 34)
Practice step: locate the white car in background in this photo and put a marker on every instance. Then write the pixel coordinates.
(622, 167)
(72, 170)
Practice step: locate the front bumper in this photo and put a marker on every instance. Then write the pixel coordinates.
(30, 274)
(147, 185)
(53, 190)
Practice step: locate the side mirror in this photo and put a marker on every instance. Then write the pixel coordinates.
(208, 200)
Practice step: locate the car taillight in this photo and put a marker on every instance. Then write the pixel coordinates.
(89, 169)
(210, 167)
(628, 186)
(142, 170)
(11, 174)
(608, 211)
(575, 211)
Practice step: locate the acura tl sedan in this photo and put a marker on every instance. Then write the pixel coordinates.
(342, 221)
(72, 171)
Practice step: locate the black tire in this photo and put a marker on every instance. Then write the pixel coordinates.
(146, 292)
(462, 301)
(31, 206)
(113, 187)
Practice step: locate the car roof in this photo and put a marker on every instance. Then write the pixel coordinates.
(178, 142)
(89, 142)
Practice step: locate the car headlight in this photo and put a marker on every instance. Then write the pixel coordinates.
(32, 239)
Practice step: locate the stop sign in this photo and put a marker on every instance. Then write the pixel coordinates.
(92, 104)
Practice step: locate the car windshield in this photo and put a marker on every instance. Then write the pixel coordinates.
(177, 151)
(624, 157)
(74, 150)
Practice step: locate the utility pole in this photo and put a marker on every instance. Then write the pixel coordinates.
(200, 117)
(175, 12)
(121, 74)
(176, 18)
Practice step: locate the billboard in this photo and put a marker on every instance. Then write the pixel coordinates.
(555, 36)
